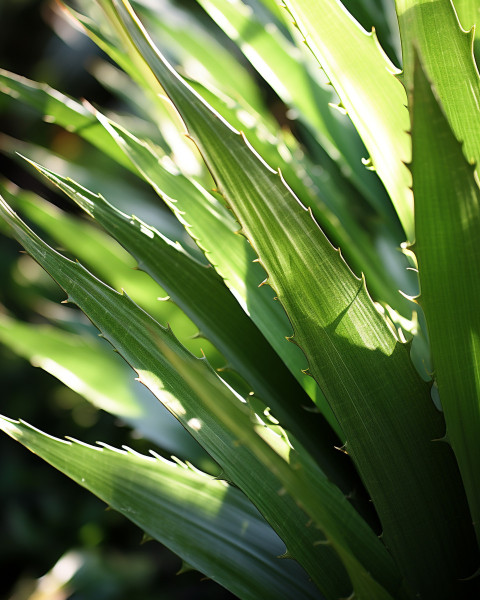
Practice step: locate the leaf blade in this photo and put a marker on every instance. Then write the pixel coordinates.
(215, 425)
(447, 54)
(212, 526)
(364, 79)
(201, 294)
(354, 355)
(447, 224)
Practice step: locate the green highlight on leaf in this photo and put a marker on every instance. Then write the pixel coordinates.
(365, 373)
(365, 81)
(217, 315)
(218, 426)
(261, 165)
(210, 524)
(448, 207)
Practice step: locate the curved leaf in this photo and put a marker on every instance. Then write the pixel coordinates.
(210, 524)
(364, 79)
(367, 375)
(219, 422)
(282, 65)
(201, 294)
(447, 226)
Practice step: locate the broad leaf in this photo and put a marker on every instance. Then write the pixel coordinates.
(447, 55)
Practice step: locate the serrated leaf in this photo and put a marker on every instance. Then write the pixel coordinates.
(201, 294)
(224, 427)
(330, 197)
(364, 79)
(283, 67)
(211, 224)
(208, 523)
(195, 46)
(447, 226)
(366, 374)
(87, 243)
(447, 55)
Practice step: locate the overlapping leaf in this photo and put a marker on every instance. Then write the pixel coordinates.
(364, 79)
(366, 374)
(224, 427)
(447, 54)
(281, 64)
(201, 294)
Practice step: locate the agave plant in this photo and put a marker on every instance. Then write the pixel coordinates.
(343, 432)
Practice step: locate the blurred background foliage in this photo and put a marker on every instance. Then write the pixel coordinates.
(58, 541)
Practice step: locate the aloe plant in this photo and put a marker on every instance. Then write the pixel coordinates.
(342, 432)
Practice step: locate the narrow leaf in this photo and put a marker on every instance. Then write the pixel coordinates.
(211, 224)
(148, 348)
(283, 66)
(367, 375)
(202, 295)
(447, 225)
(210, 524)
(364, 79)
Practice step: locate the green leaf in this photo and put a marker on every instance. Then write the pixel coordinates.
(195, 46)
(367, 375)
(158, 112)
(62, 110)
(218, 422)
(116, 267)
(289, 73)
(447, 55)
(211, 224)
(87, 243)
(201, 294)
(330, 197)
(77, 118)
(364, 79)
(109, 386)
(326, 200)
(447, 226)
(468, 16)
(300, 478)
(210, 524)
(326, 197)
